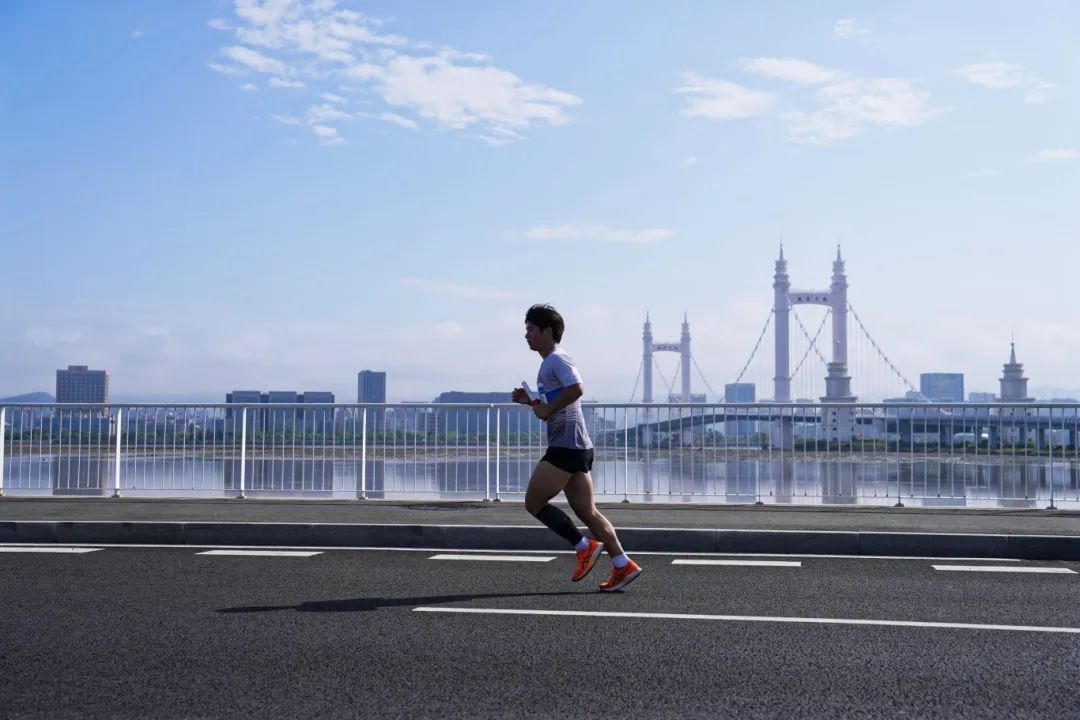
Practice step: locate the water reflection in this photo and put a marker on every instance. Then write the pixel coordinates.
(734, 480)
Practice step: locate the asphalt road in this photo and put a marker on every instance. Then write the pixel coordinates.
(168, 632)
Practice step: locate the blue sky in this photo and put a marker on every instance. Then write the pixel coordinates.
(202, 195)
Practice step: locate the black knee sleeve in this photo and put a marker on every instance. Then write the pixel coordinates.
(559, 522)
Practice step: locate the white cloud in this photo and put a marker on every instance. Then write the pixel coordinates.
(598, 233)
(219, 24)
(1004, 76)
(322, 113)
(227, 69)
(316, 42)
(457, 96)
(255, 60)
(392, 118)
(317, 27)
(249, 87)
(851, 106)
(846, 28)
(689, 161)
(284, 82)
(993, 74)
(465, 292)
(1055, 154)
(326, 135)
(792, 70)
(136, 34)
(287, 119)
(1039, 91)
(722, 100)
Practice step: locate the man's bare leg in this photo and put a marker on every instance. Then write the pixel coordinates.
(579, 492)
(546, 482)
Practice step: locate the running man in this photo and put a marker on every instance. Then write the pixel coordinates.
(566, 464)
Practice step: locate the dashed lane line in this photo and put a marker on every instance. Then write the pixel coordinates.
(496, 558)
(742, 563)
(44, 549)
(264, 553)
(1005, 569)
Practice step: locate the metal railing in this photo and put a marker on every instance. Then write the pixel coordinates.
(1000, 455)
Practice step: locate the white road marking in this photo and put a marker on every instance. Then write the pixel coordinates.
(993, 568)
(502, 558)
(751, 618)
(747, 563)
(264, 553)
(373, 548)
(44, 549)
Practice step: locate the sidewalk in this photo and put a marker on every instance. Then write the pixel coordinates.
(862, 530)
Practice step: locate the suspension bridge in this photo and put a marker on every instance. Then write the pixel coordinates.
(795, 399)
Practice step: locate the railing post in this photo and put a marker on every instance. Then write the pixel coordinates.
(116, 473)
(626, 458)
(3, 414)
(363, 456)
(243, 450)
(498, 436)
(487, 456)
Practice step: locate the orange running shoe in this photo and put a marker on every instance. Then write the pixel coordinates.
(586, 559)
(621, 577)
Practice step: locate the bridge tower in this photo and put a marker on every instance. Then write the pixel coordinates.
(682, 347)
(838, 421)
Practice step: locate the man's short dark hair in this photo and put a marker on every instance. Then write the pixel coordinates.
(545, 316)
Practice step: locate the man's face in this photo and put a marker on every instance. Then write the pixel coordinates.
(536, 338)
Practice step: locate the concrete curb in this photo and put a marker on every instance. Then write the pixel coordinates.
(496, 537)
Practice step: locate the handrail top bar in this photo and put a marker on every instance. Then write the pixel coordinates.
(434, 405)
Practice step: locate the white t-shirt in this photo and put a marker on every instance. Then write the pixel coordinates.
(566, 428)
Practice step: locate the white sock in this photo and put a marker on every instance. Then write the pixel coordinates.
(582, 544)
(620, 561)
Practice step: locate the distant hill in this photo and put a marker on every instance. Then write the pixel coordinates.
(35, 397)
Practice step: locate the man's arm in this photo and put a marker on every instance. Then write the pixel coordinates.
(566, 396)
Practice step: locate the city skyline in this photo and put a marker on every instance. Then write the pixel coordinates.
(733, 392)
(230, 202)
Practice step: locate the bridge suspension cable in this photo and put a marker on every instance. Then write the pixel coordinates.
(880, 352)
(757, 345)
(702, 375)
(812, 346)
(640, 368)
(670, 385)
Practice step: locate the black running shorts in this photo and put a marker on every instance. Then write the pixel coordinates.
(569, 460)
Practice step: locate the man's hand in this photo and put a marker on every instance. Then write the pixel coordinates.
(520, 396)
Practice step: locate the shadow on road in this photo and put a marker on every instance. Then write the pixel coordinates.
(374, 603)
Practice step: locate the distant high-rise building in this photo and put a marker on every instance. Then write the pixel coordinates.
(255, 418)
(318, 419)
(982, 397)
(471, 420)
(282, 419)
(79, 384)
(740, 393)
(276, 420)
(942, 387)
(371, 386)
